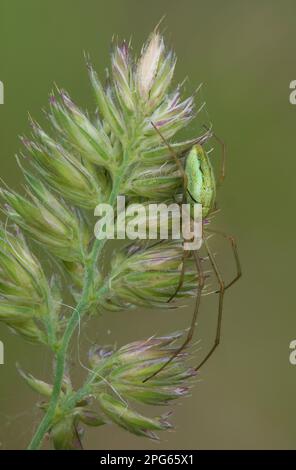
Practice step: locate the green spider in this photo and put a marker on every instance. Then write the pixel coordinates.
(199, 183)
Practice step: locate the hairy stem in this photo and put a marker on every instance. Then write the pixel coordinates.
(78, 313)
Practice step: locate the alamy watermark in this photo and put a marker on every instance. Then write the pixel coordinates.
(150, 221)
(292, 357)
(1, 344)
(1, 353)
(292, 96)
(1, 93)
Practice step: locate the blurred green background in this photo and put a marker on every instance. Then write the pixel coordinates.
(244, 53)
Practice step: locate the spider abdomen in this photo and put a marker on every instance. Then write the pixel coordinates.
(201, 183)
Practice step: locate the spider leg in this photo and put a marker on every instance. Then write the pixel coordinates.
(184, 176)
(181, 280)
(174, 155)
(220, 308)
(201, 282)
(223, 156)
(233, 244)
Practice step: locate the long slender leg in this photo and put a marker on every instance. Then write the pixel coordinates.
(181, 279)
(220, 308)
(184, 176)
(201, 282)
(198, 266)
(232, 241)
(175, 156)
(223, 157)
